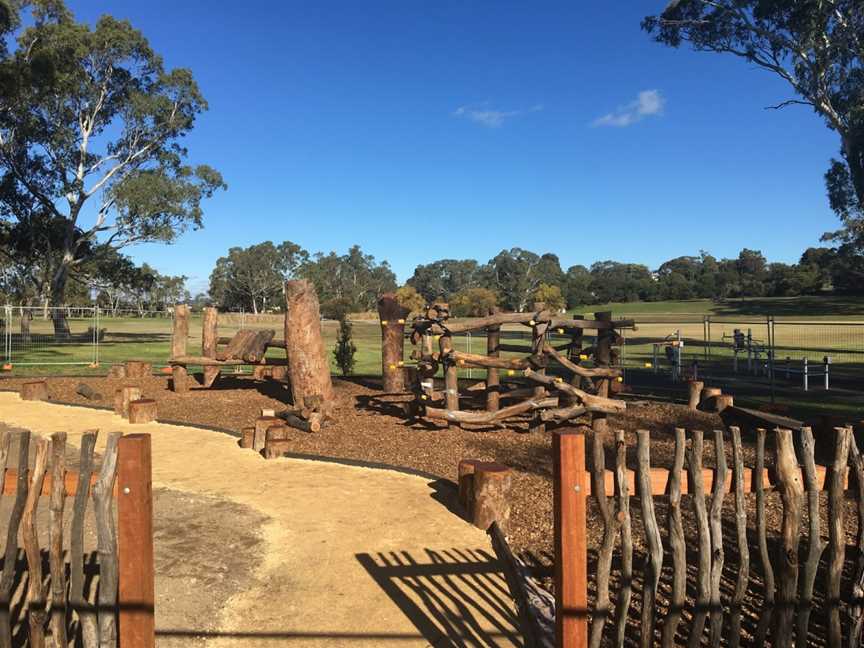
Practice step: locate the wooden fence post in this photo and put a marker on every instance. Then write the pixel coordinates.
(136, 595)
(571, 554)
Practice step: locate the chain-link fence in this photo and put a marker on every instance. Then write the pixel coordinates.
(46, 336)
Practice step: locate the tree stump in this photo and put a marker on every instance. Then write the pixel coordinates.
(490, 498)
(262, 424)
(308, 362)
(247, 437)
(466, 481)
(124, 396)
(279, 372)
(706, 397)
(276, 448)
(35, 390)
(392, 315)
(142, 411)
(695, 387)
(138, 369)
(117, 371)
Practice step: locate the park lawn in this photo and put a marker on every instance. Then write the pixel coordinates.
(825, 307)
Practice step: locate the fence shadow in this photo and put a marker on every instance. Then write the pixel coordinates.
(454, 597)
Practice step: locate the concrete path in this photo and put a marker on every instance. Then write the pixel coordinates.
(335, 555)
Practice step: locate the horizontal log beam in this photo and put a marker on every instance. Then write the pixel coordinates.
(561, 414)
(592, 403)
(234, 362)
(474, 359)
(660, 481)
(276, 343)
(461, 416)
(527, 319)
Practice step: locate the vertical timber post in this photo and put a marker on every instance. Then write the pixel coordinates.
(392, 315)
(451, 379)
(603, 358)
(136, 595)
(538, 337)
(209, 342)
(493, 379)
(179, 341)
(570, 483)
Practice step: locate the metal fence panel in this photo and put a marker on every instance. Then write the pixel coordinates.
(31, 339)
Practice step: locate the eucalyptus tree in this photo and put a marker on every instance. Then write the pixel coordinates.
(91, 125)
(816, 47)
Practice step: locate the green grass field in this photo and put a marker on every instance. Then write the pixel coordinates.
(808, 327)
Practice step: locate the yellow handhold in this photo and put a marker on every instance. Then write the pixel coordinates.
(531, 323)
(648, 364)
(582, 356)
(392, 367)
(620, 379)
(383, 322)
(401, 363)
(423, 397)
(558, 379)
(401, 321)
(561, 331)
(510, 372)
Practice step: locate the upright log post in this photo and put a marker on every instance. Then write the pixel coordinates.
(695, 387)
(538, 338)
(179, 341)
(451, 380)
(493, 380)
(836, 534)
(136, 591)
(574, 351)
(209, 342)
(308, 364)
(392, 315)
(602, 358)
(570, 484)
(791, 489)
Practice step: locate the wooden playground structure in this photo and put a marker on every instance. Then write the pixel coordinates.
(517, 386)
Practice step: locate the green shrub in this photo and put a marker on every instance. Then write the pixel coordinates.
(345, 349)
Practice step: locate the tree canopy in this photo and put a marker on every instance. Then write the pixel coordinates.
(817, 48)
(91, 125)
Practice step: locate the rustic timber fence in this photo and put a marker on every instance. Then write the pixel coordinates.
(544, 398)
(121, 608)
(790, 587)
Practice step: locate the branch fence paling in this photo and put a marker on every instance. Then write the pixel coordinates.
(123, 611)
(545, 397)
(788, 548)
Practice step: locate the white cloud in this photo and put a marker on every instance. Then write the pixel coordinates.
(649, 103)
(489, 117)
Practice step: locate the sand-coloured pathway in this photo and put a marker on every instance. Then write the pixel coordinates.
(304, 553)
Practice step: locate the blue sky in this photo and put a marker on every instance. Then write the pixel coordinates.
(454, 129)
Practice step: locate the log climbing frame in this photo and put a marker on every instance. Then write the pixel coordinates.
(544, 398)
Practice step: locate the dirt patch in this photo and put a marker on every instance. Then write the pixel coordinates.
(201, 561)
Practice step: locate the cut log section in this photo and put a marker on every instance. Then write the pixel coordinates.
(313, 424)
(36, 390)
(308, 362)
(87, 392)
(117, 371)
(247, 437)
(695, 391)
(124, 396)
(179, 340)
(210, 343)
(142, 411)
(138, 369)
(490, 496)
(262, 424)
(276, 448)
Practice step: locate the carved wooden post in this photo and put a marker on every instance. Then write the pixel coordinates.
(178, 346)
(570, 483)
(308, 364)
(836, 534)
(392, 315)
(451, 379)
(209, 341)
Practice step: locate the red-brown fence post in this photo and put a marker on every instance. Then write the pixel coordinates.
(571, 549)
(136, 595)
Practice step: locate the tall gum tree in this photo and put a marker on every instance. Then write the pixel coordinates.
(817, 47)
(90, 131)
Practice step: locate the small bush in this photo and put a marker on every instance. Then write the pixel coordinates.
(345, 349)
